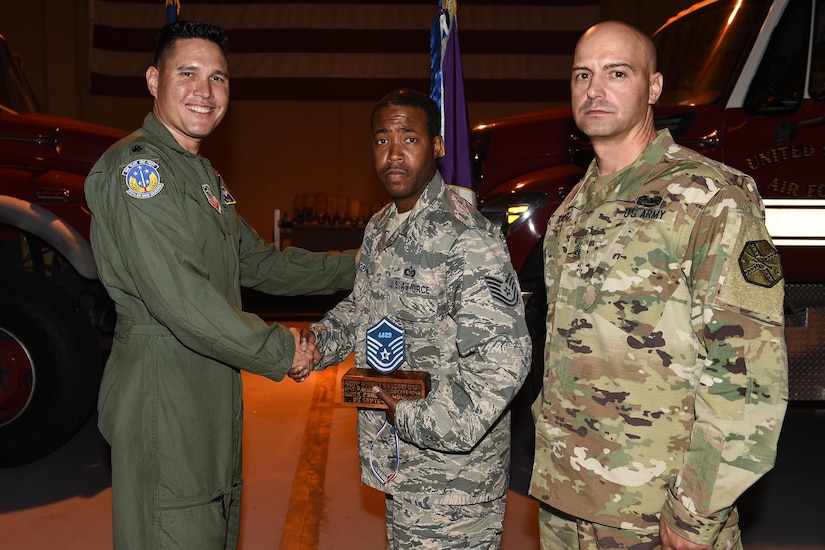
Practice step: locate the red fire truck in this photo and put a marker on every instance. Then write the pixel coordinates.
(56, 319)
(744, 83)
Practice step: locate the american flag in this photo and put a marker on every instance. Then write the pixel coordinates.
(334, 50)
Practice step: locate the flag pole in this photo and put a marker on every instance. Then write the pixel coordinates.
(172, 10)
(447, 89)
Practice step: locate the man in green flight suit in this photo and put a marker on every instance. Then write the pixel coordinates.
(173, 253)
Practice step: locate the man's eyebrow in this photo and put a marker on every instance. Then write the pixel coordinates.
(618, 64)
(403, 129)
(197, 67)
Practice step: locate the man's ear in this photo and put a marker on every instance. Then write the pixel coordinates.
(438, 147)
(657, 82)
(152, 76)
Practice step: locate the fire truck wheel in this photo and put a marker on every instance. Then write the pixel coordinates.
(50, 367)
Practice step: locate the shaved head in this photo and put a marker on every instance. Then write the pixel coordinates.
(626, 34)
(613, 87)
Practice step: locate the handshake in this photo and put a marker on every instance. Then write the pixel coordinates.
(307, 355)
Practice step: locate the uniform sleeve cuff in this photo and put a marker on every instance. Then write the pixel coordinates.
(689, 524)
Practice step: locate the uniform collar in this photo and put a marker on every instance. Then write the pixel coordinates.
(629, 182)
(159, 132)
(432, 195)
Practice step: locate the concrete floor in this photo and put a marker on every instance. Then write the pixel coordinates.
(302, 487)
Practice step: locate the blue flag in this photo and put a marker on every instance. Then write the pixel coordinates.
(172, 10)
(447, 89)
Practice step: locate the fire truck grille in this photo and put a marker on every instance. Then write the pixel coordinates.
(805, 338)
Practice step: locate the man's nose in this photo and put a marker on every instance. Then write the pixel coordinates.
(595, 88)
(394, 151)
(203, 88)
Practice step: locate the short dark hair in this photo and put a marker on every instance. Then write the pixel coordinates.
(182, 30)
(406, 97)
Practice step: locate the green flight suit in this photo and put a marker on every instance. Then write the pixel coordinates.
(173, 253)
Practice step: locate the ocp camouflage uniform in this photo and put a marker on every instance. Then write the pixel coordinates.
(444, 275)
(666, 371)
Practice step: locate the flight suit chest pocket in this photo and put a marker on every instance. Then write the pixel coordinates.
(209, 218)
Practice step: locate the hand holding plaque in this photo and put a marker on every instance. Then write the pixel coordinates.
(385, 353)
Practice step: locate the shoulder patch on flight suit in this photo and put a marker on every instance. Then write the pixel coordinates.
(503, 291)
(760, 264)
(142, 179)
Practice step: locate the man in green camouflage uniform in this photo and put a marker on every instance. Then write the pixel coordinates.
(433, 266)
(173, 251)
(666, 370)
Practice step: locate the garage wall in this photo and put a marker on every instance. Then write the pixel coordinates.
(268, 151)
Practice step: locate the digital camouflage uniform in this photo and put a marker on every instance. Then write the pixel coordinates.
(173, 252)
(444, 275)
(666, 371)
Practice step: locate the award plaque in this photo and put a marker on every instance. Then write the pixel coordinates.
(385, 352)
(402, 384)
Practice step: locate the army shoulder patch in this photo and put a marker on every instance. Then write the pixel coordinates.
(142, 179)
(760, 263)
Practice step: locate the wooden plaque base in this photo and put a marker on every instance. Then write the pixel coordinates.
(402, 384)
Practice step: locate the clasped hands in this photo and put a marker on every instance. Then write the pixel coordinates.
(307, 356)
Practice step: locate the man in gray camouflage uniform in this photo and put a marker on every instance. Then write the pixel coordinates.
(433, 266)
(666, 370)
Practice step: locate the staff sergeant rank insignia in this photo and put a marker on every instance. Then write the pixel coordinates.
(142, 179)
(760, 263)
(503, 291)
(385, 346)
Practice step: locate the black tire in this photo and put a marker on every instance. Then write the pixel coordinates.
(56, 369)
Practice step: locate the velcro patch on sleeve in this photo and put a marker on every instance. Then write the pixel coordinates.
(505, 291)
(754, 284)
(760, 263)
(142, 179)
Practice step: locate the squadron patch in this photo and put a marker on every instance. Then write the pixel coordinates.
(142, 179)
(213, 200)
(385, 346)
(760, 263)
(227, 197)
(504, 291)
